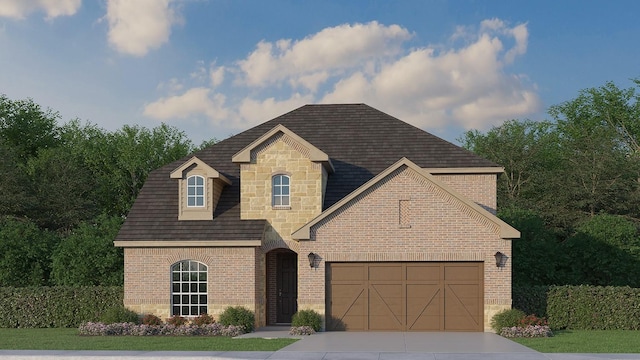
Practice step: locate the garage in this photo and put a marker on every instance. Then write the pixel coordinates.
(405, 296)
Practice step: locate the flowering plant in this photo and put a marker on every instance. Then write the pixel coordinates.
(533, 320)
(301, 330)
(131, 329)
(529, 331)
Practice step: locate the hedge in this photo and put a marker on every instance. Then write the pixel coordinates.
(594, 307)
(581, 307)
(60, 306)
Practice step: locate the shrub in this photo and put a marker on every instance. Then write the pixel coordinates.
(594, 308)
(203, 319)
(238, 316)
(308, 318)
(129, 329)
(119, 314)
(506, 318)
(177, 320)
(528, 331)
(532, 320)
(60, 306)
(150, 319)
(301, 330)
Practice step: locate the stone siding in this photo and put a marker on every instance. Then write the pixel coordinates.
(281, 155)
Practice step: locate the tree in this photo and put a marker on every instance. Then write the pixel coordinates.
(87, 256)
(620, 108)
(598, 173)
(605, 250)
(138, 151)
(536, 255)
(61, 190)
(529, 152)
(26, 128)
(25, 253)
(13, 192)
(121, 161)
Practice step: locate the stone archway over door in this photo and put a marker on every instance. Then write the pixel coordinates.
(286, 286)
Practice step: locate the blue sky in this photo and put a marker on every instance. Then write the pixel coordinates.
(213, 68)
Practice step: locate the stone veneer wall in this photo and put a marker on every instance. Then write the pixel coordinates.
(232, 278)
(281, 155)
(434, 227)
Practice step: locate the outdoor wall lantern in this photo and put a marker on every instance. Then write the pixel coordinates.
(312, 259)
(500, 258)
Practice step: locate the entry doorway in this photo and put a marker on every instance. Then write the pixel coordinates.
(282, 286)
(287, 287)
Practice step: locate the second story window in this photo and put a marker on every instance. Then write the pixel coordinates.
(195, 191)
(280, 191)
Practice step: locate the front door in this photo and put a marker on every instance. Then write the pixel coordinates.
(286, 286)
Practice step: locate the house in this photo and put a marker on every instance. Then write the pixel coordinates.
(343, 209)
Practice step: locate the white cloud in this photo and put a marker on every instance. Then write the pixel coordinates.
(467, 85)
(190, 104)
(253, 112)
(216, 75)
(307, 62)
(135, 27)
(19, 9)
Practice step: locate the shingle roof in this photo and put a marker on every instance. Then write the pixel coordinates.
(360, 140)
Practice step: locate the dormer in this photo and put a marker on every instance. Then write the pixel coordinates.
(199, 189)
(283, 179)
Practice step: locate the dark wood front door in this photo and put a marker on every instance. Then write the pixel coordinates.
(286, 286)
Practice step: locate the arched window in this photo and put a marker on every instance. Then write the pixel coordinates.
(195, 191)
(188, 288)
(280, 191)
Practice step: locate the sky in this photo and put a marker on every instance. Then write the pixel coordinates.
(213, 68)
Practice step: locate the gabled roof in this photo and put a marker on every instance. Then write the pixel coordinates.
(360, 141)
(194, 161)
(315, 154)
(506, 231)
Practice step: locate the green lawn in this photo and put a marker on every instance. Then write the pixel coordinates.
(68, 339)
(586, 341)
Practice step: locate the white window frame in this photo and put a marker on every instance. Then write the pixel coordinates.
(278, 188)
(196, 191)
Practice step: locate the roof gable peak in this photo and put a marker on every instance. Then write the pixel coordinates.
(506, 230)
(315, 154)
(195, 161)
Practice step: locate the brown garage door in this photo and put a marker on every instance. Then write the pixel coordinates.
(405, 296)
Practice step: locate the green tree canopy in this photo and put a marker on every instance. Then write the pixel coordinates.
(26, 128)
(605, 250)
(87, 255)
(25, 253)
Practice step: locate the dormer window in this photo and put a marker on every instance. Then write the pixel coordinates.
(195, 191)
(280, 191)
(199, 189)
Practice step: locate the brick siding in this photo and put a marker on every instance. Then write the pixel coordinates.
(439, 228)
(232, 274)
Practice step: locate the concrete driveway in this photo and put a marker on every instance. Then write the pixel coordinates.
(407, 342)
